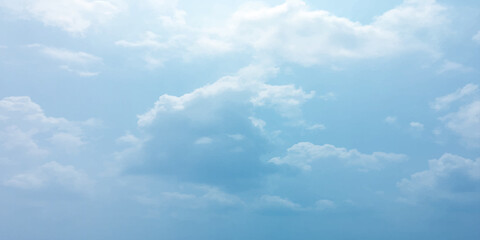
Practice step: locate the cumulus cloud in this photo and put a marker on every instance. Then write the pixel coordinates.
(465, 122)
(444, 102)
(450, 177)
(248, 82)
(211, 129)
(74, 16)
(23, 125)
(304, 154)
(292, 32)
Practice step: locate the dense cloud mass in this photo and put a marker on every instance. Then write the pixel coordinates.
(265, 119)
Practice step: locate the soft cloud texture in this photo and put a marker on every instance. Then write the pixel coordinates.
(292, 32)
(444, 102)
(465, 122)
(304, 154)
(52, 173)
(74, 16)
(450, 177)
(476, 37)
(23, 125)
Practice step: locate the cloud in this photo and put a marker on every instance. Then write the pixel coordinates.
(192, 197)
(212, 129)
(465, 122)
(390, 119)
(67, 56)
(247, 82)
(476, 37)
(78, 72)
(316, 127)
(453, 66)
(70, 58)
(24, 125)
(284, 98)
(450, 177)
(416, 125)
(276, 204)
(291, 32)
(52, 173)
(444, 102)
(74, 16)
(304, 154)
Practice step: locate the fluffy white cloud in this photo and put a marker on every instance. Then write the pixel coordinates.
(74, 16)
(248, 81)
(449, 177)
(445, 101)
(465, 122)
(303, 154)
(23, 125)
(292, 32)
(51, 173)
(211, 129)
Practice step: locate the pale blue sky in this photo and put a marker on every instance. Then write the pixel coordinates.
(239, 120)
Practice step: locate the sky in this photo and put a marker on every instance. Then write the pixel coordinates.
(239, 119)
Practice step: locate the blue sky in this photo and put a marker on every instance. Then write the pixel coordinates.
(239, 120)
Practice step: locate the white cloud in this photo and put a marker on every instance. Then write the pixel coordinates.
(316, 127)
(391, 119)
(67, 141)
(12, 138)
(328, 96)
(271, 201)
(67, 56)
(284, 98)
(237, 137)
(70, 58)
(449, 177)
(78, 72)
(303, 154)
(52, 173)
(453, 66)
(465, 122)
(292, 32)
(25, 124)
(74, 16)
(476, 37)
(445, 101)
(248, 81)
(416, 125)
